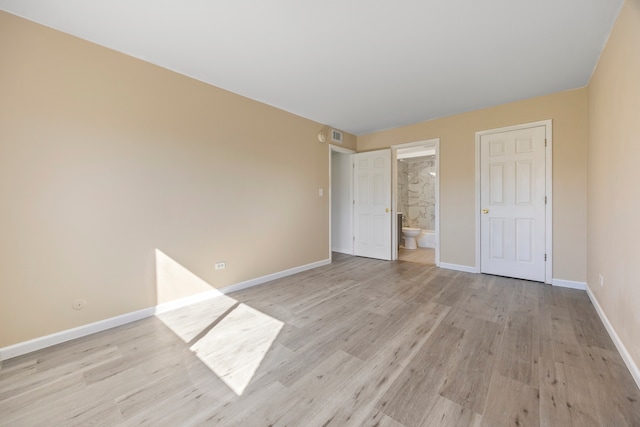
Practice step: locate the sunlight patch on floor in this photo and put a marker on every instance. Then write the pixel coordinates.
(229, 337)
(235, 347)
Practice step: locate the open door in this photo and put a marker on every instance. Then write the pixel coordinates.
(372, 204)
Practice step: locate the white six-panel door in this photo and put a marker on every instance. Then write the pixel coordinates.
(512, 199)
(372, 204)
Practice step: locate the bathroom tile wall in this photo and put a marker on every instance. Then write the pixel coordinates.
(417, 191)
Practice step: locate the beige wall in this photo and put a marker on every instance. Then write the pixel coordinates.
(105, 158)
(614, 179)
(568, 110)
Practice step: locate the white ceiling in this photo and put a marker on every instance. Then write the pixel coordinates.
(356, 65)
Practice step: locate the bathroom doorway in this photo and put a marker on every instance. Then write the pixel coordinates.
(415, 195)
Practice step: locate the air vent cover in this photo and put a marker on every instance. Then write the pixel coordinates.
(336, 136)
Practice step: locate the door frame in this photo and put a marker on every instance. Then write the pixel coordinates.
(435, 143)
(350, 153)
(548, 124)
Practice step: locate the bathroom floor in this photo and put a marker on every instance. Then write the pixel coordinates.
(419, 255)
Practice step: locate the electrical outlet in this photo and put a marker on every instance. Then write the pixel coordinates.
(601, 280)
(221, 265)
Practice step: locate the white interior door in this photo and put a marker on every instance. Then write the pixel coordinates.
(372, 204)
(512, 199)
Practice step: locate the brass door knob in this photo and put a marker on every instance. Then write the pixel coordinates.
(485, 211)
(387, 210)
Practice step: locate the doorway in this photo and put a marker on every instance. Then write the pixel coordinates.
(341, 200)
(415, 197)
(360, 203)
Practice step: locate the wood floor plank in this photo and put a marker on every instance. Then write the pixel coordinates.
(424, 256)
(590, 331)
(487, 304)
(527, 297)
(615, 395)
(235, 347)
(379, 419)
(429, 287)
(358, 342)
(556, 324)
(73, 365)
(330, 291)
(311, 391)
(188, 405)
(321, 330)
(241, 408)
(569, 353)
(565, 399)
(17, 371)
(423, 377)
(65, 414)
(511, 403)
(367, 344)
(187, 322)
(351, 403)
(387, 305)
(445, 413)
(469, 375)
(553, 298)
(519, 350)
(38, 399)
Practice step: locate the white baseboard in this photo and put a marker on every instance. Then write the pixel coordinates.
(569, 284)
(67, 335)
(628, 360)
(253, 282)
(185, 301)
(343, 251)
(465, 268)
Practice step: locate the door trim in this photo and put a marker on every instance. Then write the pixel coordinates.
(548, 124)
(433, 142)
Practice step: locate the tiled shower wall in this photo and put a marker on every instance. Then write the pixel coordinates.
(417, 191)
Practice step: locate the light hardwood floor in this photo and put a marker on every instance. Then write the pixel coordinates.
(357, 342)
(419, 255)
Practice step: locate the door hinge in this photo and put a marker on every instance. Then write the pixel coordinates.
(545, 142)
(545, 257)
(545, 200)
(354, 238)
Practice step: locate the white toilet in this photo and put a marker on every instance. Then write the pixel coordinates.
(410, 235)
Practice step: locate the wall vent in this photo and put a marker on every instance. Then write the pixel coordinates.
(336, 136)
